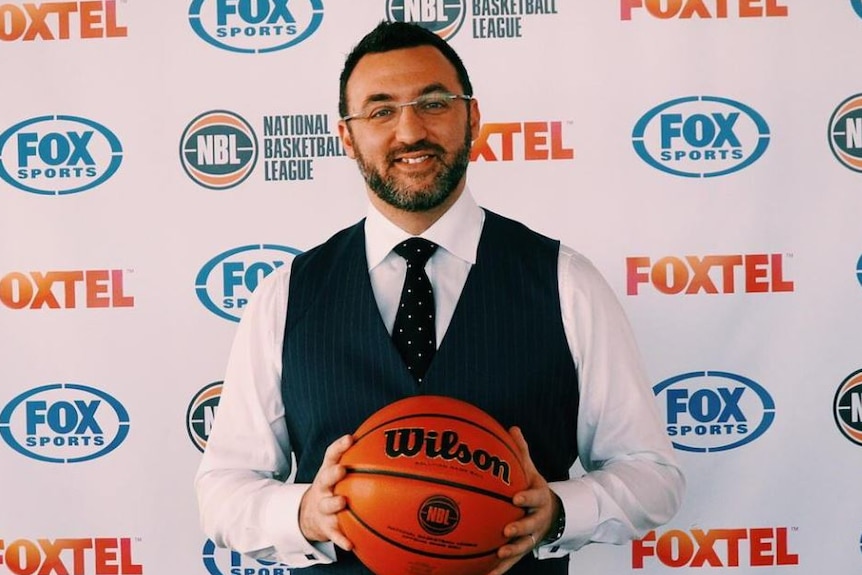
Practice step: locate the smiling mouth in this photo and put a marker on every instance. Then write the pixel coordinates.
(417, 154)
(415, 159)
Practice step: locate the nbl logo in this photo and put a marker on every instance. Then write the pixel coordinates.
(225, 283)
(443, 17)
(58, 155)
(218, 150)
(701, 136)
(201, 413)
(845, 132)
(439, 515)
(847, 407)
(255, 26)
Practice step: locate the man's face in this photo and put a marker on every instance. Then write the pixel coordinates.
(413, 161)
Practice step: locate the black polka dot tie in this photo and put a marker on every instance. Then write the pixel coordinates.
(413, 332)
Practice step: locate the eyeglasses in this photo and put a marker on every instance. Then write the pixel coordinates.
(430, 105)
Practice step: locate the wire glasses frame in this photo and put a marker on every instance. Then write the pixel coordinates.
(427, 105)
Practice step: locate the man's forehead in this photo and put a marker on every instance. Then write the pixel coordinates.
(402, 70)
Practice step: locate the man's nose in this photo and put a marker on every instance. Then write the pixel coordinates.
(409, 127)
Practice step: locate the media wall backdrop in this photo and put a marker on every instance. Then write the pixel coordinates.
(158, 158)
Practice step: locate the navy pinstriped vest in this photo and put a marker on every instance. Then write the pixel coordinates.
(504, 351)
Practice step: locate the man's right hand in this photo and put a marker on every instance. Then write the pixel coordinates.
(319, 504)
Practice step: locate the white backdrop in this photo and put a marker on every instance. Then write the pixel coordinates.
(158, 158)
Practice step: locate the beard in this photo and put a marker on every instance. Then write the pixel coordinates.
(402, 195)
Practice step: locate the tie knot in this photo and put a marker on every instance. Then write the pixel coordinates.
(415, 250)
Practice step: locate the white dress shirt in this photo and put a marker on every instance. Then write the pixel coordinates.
(632, 484)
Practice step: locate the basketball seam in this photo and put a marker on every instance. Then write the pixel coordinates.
(426, 479)
(418, 551)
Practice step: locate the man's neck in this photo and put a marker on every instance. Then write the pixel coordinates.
(414, 223)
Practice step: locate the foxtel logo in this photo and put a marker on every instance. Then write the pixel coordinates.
(712, 274)
(721, 9)
(755, 547)
(107, 556)
(517, 140)
(78, 288)
(54, 21)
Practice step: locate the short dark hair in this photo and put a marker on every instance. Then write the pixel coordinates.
(389, 36)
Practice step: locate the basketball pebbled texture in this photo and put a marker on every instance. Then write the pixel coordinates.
(429, 488)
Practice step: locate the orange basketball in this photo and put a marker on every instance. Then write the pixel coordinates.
(429, 488)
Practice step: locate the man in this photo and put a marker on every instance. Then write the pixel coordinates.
(524, 328)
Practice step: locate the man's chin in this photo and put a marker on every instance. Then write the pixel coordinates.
(414, 175)
(413, 199)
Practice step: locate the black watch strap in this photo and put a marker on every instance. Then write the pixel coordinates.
(557, 527)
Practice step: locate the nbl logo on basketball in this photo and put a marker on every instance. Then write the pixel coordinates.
(439, 515)
(443, 17)
(218, 150)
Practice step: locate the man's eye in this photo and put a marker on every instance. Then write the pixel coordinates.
(382, 112)
(434, 105)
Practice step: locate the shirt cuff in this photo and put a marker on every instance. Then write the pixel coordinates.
(281, 520)
(582, 514)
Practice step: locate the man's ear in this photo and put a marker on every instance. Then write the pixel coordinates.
(346, 139)
(475, 119)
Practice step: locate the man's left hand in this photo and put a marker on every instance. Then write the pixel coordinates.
(541, 504)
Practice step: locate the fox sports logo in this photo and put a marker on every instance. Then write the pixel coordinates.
(64, 423)
(443, 17)
(701, 136)
(255, 26)
(225, 283)
(709, 411)
(58, 155)
(220, 561)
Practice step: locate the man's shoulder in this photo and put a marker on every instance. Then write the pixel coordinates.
(336, 244)
(516, 233)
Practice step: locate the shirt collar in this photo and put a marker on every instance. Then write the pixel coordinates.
(457, 231)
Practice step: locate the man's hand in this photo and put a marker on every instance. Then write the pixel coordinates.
(542, 507)
(319, 504)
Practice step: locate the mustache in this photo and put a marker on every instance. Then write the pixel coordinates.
(420, 146)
